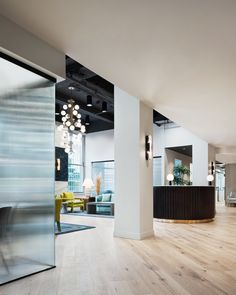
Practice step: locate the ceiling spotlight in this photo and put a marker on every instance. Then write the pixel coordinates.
(87, 120)
(89, 101)
(104, 107)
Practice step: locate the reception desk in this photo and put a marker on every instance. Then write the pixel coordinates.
(185, 204)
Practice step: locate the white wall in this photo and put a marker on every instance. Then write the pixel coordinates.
(99, 146)
(171, 136)
(58, 136)
(24, 46)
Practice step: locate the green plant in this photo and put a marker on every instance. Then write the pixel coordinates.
(179, 173)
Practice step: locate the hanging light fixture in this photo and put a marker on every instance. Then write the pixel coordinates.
(89, 101)
(71, 119)
(104, 107)
(87, 120)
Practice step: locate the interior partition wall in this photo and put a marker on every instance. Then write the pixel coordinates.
(27, 161)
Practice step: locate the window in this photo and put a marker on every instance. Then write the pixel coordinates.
(76, 168)
(157, 162)
(107, 172)
(178, 162)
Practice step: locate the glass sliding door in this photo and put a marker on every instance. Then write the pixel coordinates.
(27, 102)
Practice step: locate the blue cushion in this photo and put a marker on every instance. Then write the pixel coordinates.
(106, 197)
(98, 198)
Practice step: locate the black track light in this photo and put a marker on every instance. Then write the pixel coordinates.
(87, 120)
(104, 107)
(89, 101)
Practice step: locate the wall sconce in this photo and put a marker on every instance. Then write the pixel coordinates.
(211, 169)
(58, 164)
(210, 178)
(148, 147)
(170, 178)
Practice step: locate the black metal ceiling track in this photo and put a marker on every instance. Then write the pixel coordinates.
(93, 94)
(85, 110)
(27, 67)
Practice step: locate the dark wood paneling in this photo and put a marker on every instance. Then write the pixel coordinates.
(184, 202)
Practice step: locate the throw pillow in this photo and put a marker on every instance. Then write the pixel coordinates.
(106, 197)
(98, 198)
(68, 195)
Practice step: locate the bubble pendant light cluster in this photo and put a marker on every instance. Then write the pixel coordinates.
(71, 119)
(70, 141)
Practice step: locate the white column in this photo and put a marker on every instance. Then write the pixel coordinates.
(200, 163)
(203, 155)
(133, 174)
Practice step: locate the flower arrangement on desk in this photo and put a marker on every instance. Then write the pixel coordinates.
(98, 184)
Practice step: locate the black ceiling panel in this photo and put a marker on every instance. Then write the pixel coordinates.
(86, 82)
(184, 150)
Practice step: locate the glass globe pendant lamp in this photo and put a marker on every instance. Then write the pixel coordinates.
(71, 121)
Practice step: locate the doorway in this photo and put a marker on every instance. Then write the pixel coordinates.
(220, 184)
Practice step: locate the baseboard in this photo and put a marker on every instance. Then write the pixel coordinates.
(134, 236)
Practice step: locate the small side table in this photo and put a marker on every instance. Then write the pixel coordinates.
(87, 200)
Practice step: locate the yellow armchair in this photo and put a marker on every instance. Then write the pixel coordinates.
(71, 201)
(58, 203)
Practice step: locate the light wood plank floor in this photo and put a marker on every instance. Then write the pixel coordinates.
(180, 259)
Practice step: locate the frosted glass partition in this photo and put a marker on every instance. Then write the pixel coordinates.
(27, 103)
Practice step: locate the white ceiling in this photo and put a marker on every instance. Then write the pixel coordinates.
(178, 56)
